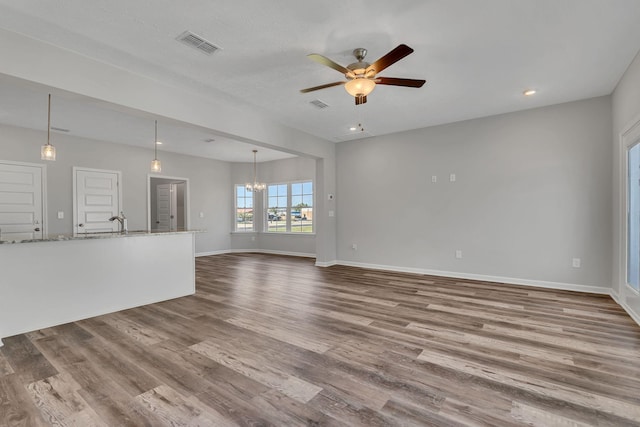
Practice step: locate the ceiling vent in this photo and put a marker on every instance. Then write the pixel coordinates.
(319, 104)
(197, 42)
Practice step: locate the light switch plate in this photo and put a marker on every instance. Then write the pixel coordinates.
(60, 215)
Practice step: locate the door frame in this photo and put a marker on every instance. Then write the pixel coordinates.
(43, 188)
(628, 139)
(187, 195)
(74, 197)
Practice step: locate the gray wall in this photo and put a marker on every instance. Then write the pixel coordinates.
(532, 191)
(286, 170)
(209, 180)
(626, 112)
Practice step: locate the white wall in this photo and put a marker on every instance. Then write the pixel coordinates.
(532, 191)
(285, 170)
(626, 113)
(209, 180)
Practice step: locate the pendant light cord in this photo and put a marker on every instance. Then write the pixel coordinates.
(255, 174)
(49, 121)
(155, 144)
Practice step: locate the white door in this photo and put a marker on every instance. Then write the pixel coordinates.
(21, 206)
(97, 198)
(163, 211)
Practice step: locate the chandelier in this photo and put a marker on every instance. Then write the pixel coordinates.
(256, 186)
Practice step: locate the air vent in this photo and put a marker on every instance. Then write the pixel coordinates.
(60, 129)
(319, 104)
(197, 42)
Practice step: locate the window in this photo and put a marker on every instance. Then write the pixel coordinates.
(290, 207)
(302, 207)
(244, 209)
(277, 202)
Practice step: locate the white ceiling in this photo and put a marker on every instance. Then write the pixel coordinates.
(476, 55)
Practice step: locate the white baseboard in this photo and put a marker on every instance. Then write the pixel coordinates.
(499, 279)
(326, 263)
(273, 252)
(256, 251)
(224, 251)
(616, 297)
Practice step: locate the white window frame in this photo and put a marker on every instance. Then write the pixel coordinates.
(235, 210)
(289, 207)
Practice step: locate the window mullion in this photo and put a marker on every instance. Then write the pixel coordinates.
(289, 207)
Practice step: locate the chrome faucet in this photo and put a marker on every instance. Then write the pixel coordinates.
(122, 220)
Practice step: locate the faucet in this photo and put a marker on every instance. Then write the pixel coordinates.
(122, 220)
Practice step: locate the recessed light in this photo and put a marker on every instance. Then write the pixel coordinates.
(352, 128)
(158, 142)
(529, 92)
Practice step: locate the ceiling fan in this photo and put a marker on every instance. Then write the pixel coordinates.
(362, 76)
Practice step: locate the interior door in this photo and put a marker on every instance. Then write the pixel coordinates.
(21, 202)
(97, 199)
(163, 210)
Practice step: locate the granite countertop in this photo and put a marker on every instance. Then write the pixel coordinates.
(99, 235)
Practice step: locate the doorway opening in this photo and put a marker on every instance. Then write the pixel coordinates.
(168, 203)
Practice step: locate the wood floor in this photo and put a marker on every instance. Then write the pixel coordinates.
(270, 340)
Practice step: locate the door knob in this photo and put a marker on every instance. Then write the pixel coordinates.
(36, 229)
(80, 225)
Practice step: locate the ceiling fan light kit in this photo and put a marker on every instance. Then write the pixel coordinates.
(362, 76)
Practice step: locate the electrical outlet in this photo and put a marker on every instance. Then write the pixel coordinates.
(434, 178)
(354, 247)
(201, 214)
(332, 214)
(452, 177)
(576, 262)
(458, 254)
(60, 215)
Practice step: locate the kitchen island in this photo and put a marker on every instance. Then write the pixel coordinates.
(62, 279)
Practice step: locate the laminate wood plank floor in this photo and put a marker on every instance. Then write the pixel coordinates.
(274, 340)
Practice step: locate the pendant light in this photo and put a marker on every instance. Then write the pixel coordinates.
(156, 166)
(256, 186)
(48, 151)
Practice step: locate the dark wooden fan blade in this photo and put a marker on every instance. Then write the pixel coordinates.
(390, 58)
(399, 82)
(329, 63)
(311, 89)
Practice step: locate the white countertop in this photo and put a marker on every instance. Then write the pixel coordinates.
(99, 235)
